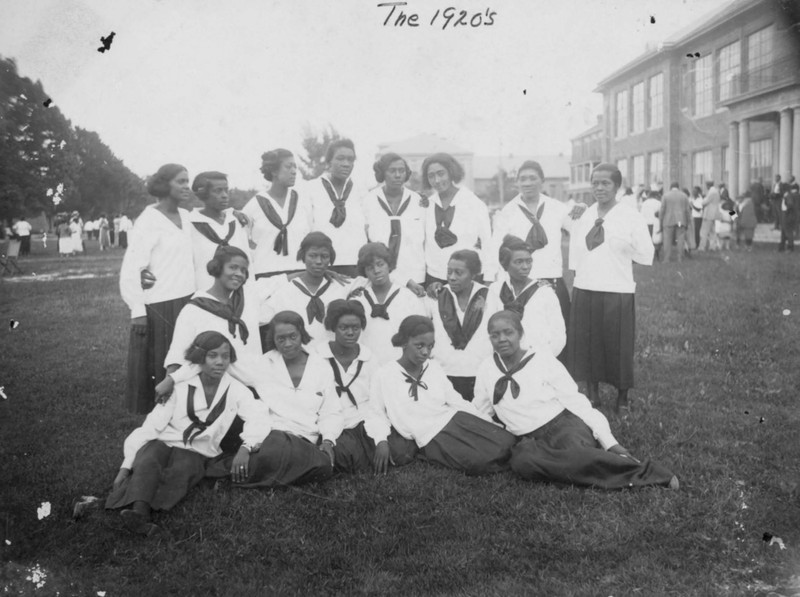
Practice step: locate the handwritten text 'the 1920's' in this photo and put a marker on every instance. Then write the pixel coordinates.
(450, 17)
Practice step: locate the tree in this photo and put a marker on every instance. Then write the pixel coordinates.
(315, 143)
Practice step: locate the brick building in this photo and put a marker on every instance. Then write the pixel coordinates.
(587, 152)
(718, 101)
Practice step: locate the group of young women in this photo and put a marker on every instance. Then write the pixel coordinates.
(327, 329)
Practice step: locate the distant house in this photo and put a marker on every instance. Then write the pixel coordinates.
(416, 149)
(587, 152)
(487, 168)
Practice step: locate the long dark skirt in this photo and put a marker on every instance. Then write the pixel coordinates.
(471, 445)
(565, 451)
(160, 476)
(146, 354)
(600, 337)
(285, 459)
(355, 451)
(464, 386)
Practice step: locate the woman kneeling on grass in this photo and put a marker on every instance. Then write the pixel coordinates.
(300, 393)
(178, 443)
(353, 366)
(422, 405)
(563, 439)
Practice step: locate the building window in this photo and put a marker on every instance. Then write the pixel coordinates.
(701, 168)
(655, 118)
(657, 169)
(730, 70)
(759, 58)
(637, 120)
(726, 167)
(703, 86)
(622, 114)
(761, 159)
(622, 165)
(637, 171)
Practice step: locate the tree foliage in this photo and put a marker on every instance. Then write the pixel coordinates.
(315, 143)
(40, 151)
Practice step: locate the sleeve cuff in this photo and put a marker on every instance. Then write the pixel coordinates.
(138, 311)
(606, 440)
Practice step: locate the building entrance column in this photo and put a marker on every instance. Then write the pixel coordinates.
(733, 160)
(744, 156)
(785, 145)
(796, 143)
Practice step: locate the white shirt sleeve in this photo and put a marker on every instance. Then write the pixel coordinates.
(153, 425)
(330, 421)
(484, 391)
(257, 421)
(137, 258)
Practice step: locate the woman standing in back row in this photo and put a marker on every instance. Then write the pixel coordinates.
(156, 280)
(605, 242)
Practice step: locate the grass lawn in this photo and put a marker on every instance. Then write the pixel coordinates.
(716, 400)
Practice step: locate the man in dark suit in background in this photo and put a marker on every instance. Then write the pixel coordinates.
(675, 213)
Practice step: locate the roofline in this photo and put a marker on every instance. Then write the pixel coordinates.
(710, 22)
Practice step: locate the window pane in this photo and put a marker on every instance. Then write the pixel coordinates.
(703, 100)
(729, 70)
(637, 124)
(622, 114)
(656, 104)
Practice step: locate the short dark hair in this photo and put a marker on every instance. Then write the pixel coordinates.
(448, 162)
(709, 184)
(413, 325)
(341, 307)
(202, 183)
(316, 239)
(674, 185)
(222, 256)
(616, 175)
(511, 316)
(510, 244)
(369, 252)
(271, 162)
(289, 318)
(337, 144)
(382, 165)
(205, 342)
(470, 258)
(531, 165)
(158, 183)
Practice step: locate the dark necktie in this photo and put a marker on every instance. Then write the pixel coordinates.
(232, 312)
(206, 230)
(501, 385)
(415, 384)
(339, 213)
(516, 304)
(395, 227)
(380, 309)
(315, 308)
(596, 235)
(340, 387)
(281, 244)
(197, 427)
(444, 218)
(537, 237)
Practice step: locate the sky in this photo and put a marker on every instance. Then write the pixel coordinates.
(212, 84)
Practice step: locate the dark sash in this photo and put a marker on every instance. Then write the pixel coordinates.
(380, 309)
(339, 213)
(340, 387)
(197, 427)
(206, 230)
(232, 312)
(501, 385)
(516, 304)
(281, 245)
(444, 218)
(596, 235)
(315, 308)
(415, 384)
(461, 335)
(537, 237)
(395, 230)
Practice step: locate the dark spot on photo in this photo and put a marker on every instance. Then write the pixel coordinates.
(46, 103)
(107, 40)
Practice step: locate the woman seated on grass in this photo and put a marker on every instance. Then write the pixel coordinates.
(563, 439)
(421, 404)
(299, 390)
(459, 321)
(534, 300)
(176, 445)
(353, 366)
(386, 303)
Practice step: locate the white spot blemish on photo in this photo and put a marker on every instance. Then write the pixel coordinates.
(43, 511)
